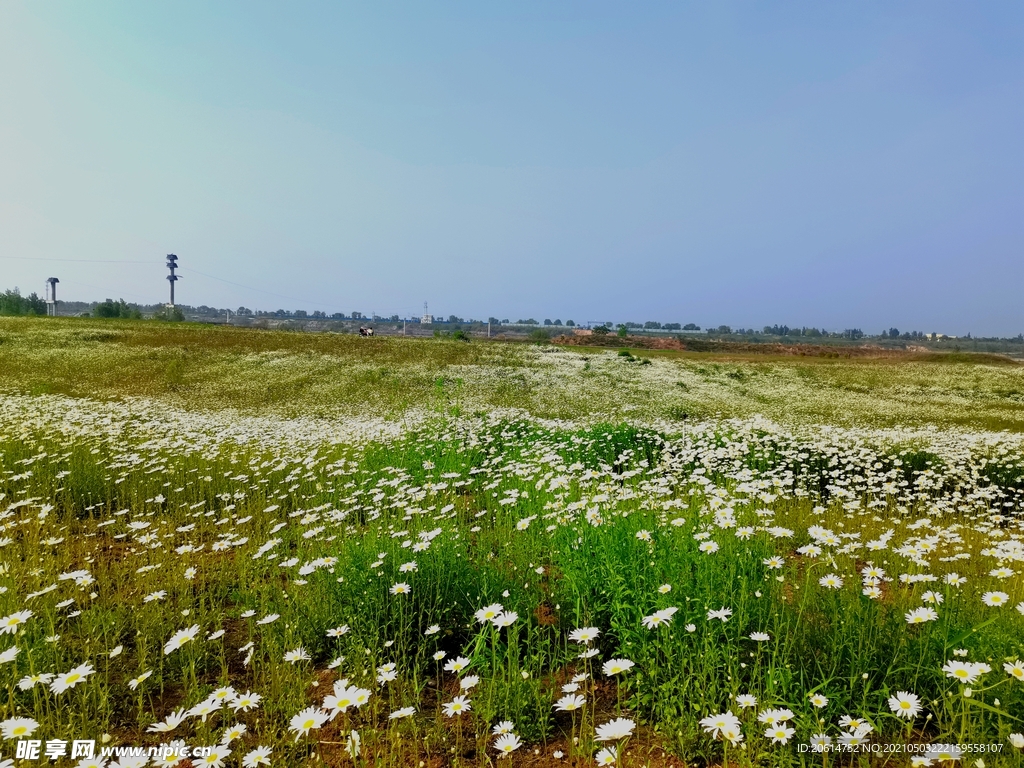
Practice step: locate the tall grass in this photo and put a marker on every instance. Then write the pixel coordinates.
(329, 375)
(566, 526)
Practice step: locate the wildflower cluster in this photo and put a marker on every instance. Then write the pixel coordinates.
(486, 586)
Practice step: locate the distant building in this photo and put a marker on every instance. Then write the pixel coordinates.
(427, 319)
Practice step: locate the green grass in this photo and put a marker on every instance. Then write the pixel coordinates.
(289, 373)
(245, 474)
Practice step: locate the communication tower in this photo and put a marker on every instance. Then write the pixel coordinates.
(172, 264)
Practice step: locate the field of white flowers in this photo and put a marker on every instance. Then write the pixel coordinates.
(468, 584)
(193, 366)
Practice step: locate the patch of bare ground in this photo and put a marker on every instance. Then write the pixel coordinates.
(778, 349)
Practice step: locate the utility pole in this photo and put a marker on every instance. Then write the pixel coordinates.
(172, 264)
(488, 328)
(403, 327)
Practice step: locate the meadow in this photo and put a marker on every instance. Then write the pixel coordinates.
(289, 374)
(300, 549)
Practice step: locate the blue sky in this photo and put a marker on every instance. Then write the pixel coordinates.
(828, 164)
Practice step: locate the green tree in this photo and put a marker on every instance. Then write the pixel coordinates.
(114, 309)
(13, 303)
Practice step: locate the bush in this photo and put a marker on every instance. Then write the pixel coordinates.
(458, 335)
(169, 314)
(117, 309)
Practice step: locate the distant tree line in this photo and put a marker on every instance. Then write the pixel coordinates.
(654, 325)
(13, 303)
(117, 309)
(894, 333)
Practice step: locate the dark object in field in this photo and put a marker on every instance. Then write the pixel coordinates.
(363, 331)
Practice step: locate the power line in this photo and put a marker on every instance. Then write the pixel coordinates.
(250, 288)
(77, 261)
(74, 283)
(259, 290)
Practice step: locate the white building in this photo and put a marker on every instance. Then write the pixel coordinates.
(426, 320)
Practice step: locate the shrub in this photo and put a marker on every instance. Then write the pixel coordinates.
(169, 314)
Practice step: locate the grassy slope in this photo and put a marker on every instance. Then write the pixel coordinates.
(197, 366)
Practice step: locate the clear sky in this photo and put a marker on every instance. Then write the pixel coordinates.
(836, 164)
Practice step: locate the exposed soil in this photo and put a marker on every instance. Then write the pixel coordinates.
(683, 344)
